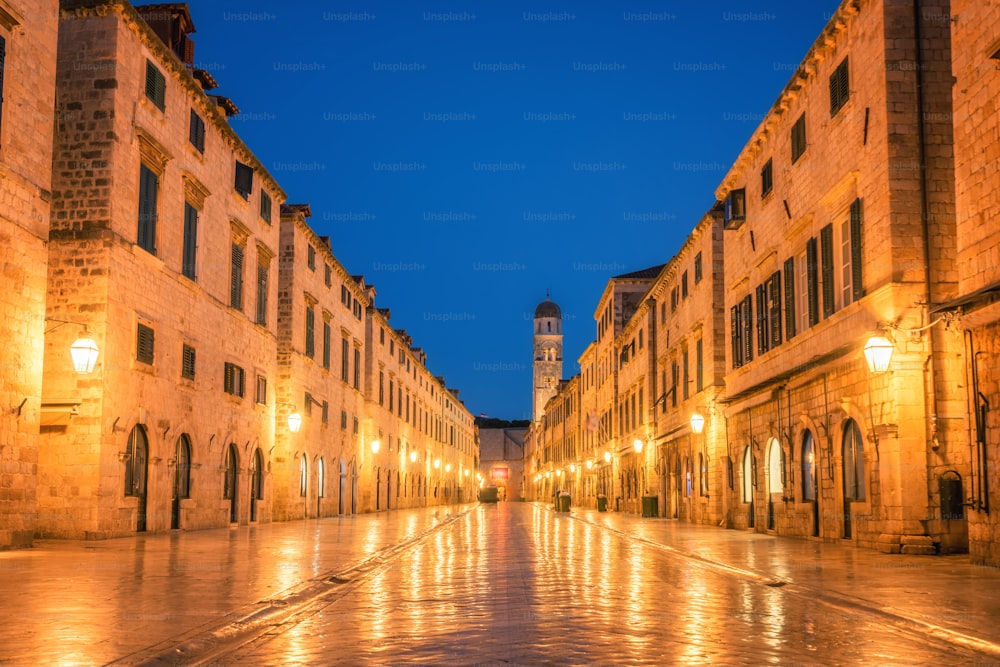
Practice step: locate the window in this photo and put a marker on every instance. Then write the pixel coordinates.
(808, 467)
(144, 344)
(262, 280)
(699, 366)
(741, 332)
(392, 394)
(260, 396)
(748, 475)
(839, 88)
(697, 268)
(381, 387)
(854, 462)
(149, 184)
(356, 426)
(766, 180)
(775, 467)
(674, 380)
(684, 285)
(702, 476)
(326, 413)
(684, 367)
(799, 138)
(345, 360)
(231, 478)
(329, 281)
(357, 310)
(326, 345)
(789, 302)
(673, 298)
(236, 278)
(310, 327)
(826, 269)
(136, 453)
(311, 258)
(244, 180)
(812, 280)
(156, 85)
(357, 368)
(343, 419)
(853, 287)
(182, 467)
(769, 313)
(187, 362)
(233, 380)
(190, 250)
(196, 132)
(735, 212)
(265, 206)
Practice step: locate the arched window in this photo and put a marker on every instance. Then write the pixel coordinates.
(257, 475)
(137, 451)
(808, 467)
(747, 475)
(550, 331)
(854, 462)
(303, 475)
(775, 463)
(232, 464)
(182, 467)
(688, 482)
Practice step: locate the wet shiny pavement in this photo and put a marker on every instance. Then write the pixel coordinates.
(510, 583)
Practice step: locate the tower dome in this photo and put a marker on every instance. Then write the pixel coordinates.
(548, 308)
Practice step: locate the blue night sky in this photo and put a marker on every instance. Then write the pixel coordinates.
(465, 157)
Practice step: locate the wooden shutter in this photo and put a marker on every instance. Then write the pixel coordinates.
(310, 326)
(747, 318)
(736, 328)
(262, 294)
(3, 55)
(148, 185)
(839, 87)
(156, 85)
(774, 308)
(326, 345)
(699, 365)
(236, 280)
(244, 179)
(187, 362)
(196, 132)
(144, 344)
(799, 138)
(812, 280)
(826, 266)
(789, 298)
(857, 287)
(190, 240)
(763, 338)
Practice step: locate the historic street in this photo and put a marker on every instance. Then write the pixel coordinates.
(510, 583)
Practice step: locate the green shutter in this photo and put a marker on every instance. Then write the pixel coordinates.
(812, 280)
(857, 285)
(236, 281)
(826, 266)
(789, 298)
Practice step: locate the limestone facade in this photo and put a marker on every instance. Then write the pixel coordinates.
(501, 462)
(28, 39)
(975, 43)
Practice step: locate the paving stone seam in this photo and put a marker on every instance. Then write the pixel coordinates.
(208, 641)
(898, 617)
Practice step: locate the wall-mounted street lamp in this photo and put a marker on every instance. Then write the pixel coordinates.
(590, 464)
(607, 457)
(437, 463)
(295, 422)
(83, 351)
(697, 423)
(376, 445)
(637, 445)
(878, 353)
(413, 456)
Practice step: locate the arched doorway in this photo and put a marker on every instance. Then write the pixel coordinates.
(136, 472)
(809, 486)
(354, 488)
(182, 479)
(256, 483)
(378, 488)
(775, 477)
(231, 482)
(749, 468)
(854, 471)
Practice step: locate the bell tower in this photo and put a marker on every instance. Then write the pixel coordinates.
(547, 364)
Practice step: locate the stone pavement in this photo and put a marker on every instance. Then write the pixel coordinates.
(515, 583)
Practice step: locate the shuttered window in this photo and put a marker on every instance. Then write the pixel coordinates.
(244, 180)
(699, 366)
(697, 268)
(262, 282)
(265, 206)
(326, 345)
(3, 55)
(260, 396)
(789, 274)
(345, 360)
(766, 179)
(839, 88)
(190, 251)
(746, 317)
(762, 320)
(686, 374)
(196, 132)
(310, 328)
(826, 267)
(357, 368)
(187, 362)
(857, 286)
(144, 344)
(149, 184)
(735, 211)
(156, 85)
(233, 380)
(812, 280)
(799, 138)
(236, 278)
(773, 291)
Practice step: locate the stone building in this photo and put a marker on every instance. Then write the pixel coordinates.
(686, 340)
(501, 459)
(547, 364)
(975, 49)
(320, 371)
(28, 37)
(427, 452)
(163, 231)
(839, 222)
